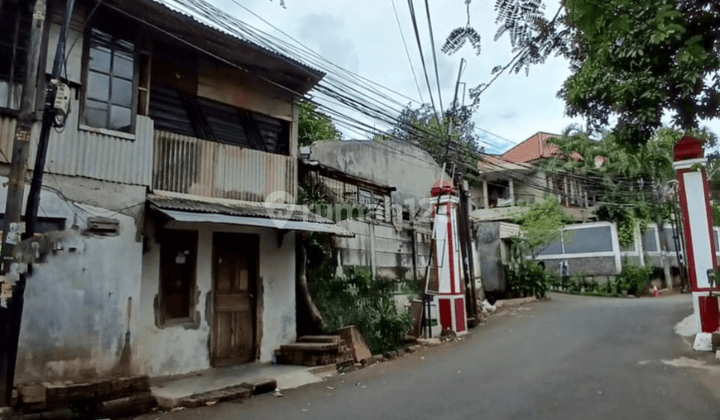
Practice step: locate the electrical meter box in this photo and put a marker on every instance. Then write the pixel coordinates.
(62, 98)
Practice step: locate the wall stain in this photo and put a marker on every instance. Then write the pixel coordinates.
(208, 308)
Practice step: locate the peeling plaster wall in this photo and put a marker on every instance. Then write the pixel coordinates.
(392, 248)
(489, 243)
(75, 317)
(174, 350)
(408, 168)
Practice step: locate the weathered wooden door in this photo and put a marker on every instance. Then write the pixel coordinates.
(235, 277)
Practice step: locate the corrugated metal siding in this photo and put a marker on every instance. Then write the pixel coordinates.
(198, 167)
(7, 133)
(90, 154)
(77, 152)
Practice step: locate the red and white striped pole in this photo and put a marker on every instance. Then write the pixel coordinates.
(451, 287)
(690, 167)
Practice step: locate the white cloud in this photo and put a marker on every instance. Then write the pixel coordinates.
(363, 36)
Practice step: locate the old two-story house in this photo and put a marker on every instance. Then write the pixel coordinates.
(509, 184)
(160, 253)
(515, 179)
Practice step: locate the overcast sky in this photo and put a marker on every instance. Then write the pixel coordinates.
(363, 36)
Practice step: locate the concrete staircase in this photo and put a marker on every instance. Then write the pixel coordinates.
(315, 350)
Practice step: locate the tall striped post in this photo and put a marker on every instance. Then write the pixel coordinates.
(690, 167)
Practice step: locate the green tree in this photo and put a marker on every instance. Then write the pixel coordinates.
(314, 126)
(638, 60)
(630, 185)
(633, 62)
(540, 225)
(448, 139)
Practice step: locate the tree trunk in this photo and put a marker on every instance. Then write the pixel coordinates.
(313, 311)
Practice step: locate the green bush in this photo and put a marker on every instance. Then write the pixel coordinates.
(357, 299)
(528, 278)
(634, 278)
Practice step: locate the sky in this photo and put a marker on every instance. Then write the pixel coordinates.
(363, 36)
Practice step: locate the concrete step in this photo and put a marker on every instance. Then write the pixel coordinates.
(320, 339)
(311, 347)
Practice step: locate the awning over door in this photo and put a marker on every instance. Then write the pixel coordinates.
(275, 216)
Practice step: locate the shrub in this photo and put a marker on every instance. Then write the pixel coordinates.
(528, 278)
(357, 299)
(634, 278)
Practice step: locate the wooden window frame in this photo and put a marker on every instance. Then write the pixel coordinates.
(137, 55)
(164, 319)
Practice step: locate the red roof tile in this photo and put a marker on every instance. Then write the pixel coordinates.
(535, 147)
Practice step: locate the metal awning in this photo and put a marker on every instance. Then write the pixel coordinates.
(231, 212)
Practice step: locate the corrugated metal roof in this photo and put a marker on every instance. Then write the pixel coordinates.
(194, 10)
(277, 216)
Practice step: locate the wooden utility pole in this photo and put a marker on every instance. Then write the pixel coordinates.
(11, 319)
(21, 142)
(14, 200)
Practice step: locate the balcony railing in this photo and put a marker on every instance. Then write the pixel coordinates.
(205, 168)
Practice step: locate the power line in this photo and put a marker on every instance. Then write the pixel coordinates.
(407, 52)
(422, 56)
(348, 101)
(432, 44)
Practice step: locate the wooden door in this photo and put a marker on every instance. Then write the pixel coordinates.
(235, 277)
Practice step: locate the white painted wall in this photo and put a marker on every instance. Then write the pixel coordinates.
(181, 349)
(75, 317)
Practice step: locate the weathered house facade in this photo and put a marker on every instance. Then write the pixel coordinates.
(392, 181)
(514, 180)
(162, 254)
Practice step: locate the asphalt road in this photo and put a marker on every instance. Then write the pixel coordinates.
(570, 358)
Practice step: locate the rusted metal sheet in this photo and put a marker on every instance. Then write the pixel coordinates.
(198, 167)
(7, 133)
(99, 155)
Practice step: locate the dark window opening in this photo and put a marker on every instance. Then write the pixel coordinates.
(499, 193)
(110, 82)
(186, 115)
(15, 23)
(178, 250)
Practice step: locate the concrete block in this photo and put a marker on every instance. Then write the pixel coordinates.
(261, 386)
(62, 394)
(129, 406)
(703, 342)
(32, 394)
(205, 398)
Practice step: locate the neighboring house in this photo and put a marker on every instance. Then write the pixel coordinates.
(514, 179)
(160, 256)
(390, 179)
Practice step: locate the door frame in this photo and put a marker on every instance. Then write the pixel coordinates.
(251, 244)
